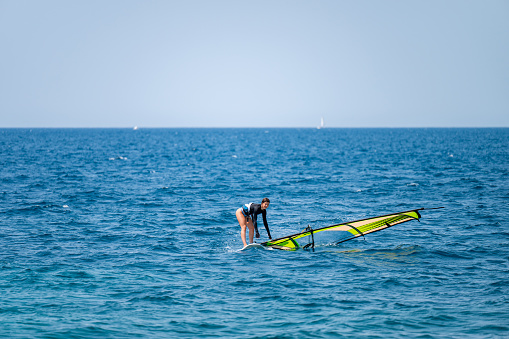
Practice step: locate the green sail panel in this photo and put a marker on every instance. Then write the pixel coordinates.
(345, 231)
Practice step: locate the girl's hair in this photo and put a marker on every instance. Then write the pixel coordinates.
(265, 200)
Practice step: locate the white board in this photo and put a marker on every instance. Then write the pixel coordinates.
(252, 246)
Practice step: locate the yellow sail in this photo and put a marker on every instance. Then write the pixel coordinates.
(344, 231)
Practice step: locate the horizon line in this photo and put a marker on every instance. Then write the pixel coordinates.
(244, 127)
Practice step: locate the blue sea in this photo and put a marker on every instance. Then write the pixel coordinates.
(122, 233)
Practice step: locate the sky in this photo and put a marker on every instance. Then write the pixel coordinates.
(204, 63)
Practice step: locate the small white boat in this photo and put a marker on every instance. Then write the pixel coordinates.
(321, 124)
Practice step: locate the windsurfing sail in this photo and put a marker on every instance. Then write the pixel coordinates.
(339, 233)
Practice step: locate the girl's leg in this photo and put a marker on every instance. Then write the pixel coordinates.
(251, 230)
(242, 222)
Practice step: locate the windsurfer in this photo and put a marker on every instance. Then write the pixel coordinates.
(247, 218)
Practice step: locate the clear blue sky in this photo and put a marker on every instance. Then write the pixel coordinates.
(120, 63)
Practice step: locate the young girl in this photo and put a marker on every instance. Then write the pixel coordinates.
(247, 215)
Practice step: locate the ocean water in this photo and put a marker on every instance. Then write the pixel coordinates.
(120, 233)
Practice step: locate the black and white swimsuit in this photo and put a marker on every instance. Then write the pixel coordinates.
(252, 210)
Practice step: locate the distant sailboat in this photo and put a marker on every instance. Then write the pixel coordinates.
(321, 124)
